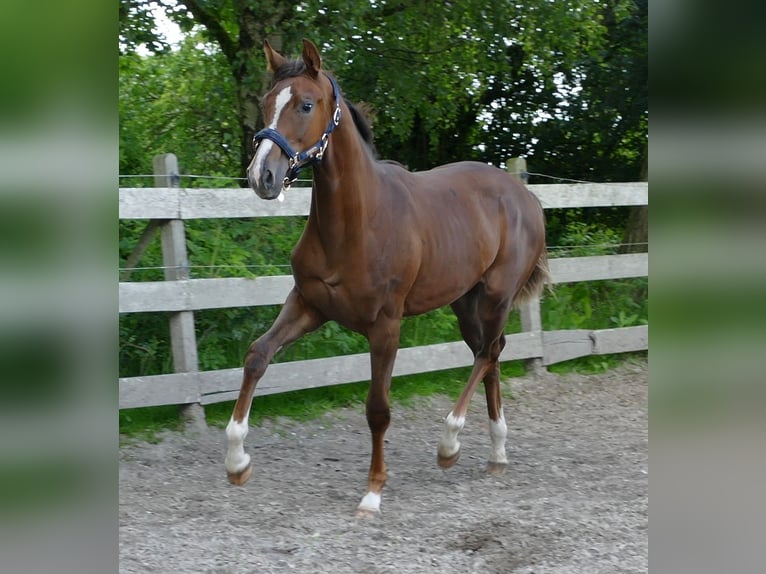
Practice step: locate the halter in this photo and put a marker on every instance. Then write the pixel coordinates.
(299, 160)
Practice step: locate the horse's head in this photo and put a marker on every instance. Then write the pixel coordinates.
(300, 111)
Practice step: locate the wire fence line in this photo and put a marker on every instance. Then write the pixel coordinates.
(223, 266)
(596, 246)
(192, 175)
(555, 250)
(235, 178)
(196, 176)
(566, 178)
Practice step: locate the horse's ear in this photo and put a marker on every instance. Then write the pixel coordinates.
(311, 58)
(273, 58)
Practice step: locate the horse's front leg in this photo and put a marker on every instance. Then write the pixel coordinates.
(384, 342)
(295, 319)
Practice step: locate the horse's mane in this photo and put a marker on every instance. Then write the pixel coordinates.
(294, 68)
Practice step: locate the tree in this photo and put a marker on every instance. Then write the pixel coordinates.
(179, 101)
(239, 28)
(601, 133)
(137, 28)
(446, 82)
(465, 82)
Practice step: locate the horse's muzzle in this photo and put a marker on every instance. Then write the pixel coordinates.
(268, 181)
(268, 187)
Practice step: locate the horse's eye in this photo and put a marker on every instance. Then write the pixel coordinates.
(306, 107)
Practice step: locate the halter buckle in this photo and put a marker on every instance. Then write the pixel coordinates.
(322, 146)
(287, 182)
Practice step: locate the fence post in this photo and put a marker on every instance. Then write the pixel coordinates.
(518, 166)
(529, 310)
(531, 322)
(183, 339)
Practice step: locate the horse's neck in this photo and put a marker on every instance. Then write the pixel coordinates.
(344, 190)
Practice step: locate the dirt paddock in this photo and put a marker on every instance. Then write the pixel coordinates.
(574, 498)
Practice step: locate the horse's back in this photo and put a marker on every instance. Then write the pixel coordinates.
(469, 181)
(465, 216)
(475, 196)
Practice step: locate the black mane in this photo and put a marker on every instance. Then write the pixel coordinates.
(362, 124)
(295, 68)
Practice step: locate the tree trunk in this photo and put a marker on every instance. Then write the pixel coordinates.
(250, 120)
(635, 239)
(249, 68)
(244, 54)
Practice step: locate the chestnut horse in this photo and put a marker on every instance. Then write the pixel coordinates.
(381, 243)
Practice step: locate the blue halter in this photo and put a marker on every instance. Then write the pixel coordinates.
(299, 160)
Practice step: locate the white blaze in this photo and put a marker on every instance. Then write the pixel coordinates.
(265, 146)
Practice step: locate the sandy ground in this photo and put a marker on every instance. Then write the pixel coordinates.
(574, 498)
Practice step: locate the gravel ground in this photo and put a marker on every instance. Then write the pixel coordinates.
(574, 498)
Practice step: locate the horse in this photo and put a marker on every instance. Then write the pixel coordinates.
(382, 243)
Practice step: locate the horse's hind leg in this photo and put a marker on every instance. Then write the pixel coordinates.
(498, 461)
(448, 450)
(294, 320)
(494, 315)
(466, 311)
(482, 319)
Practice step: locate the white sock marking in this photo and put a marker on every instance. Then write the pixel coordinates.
(497, 432)
(265, 146)
(236, 458)
(371, 502)
(449, 445)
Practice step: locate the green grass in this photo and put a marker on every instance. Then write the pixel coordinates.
(594, 364)
(144, 424)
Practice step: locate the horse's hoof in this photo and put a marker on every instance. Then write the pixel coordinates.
(241, 477)
(497, 467)
(366, 513)
(447, 461)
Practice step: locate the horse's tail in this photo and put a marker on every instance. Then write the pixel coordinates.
(538, 280)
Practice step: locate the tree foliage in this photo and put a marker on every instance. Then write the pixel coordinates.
(562, 83)
(469, 81)
(603, 134)
(137, 28)
(181, 101)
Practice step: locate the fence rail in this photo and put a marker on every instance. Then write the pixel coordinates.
(198, 294)
(196, 203)
(181, 296)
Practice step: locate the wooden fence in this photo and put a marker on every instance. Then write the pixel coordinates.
(181, 296)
